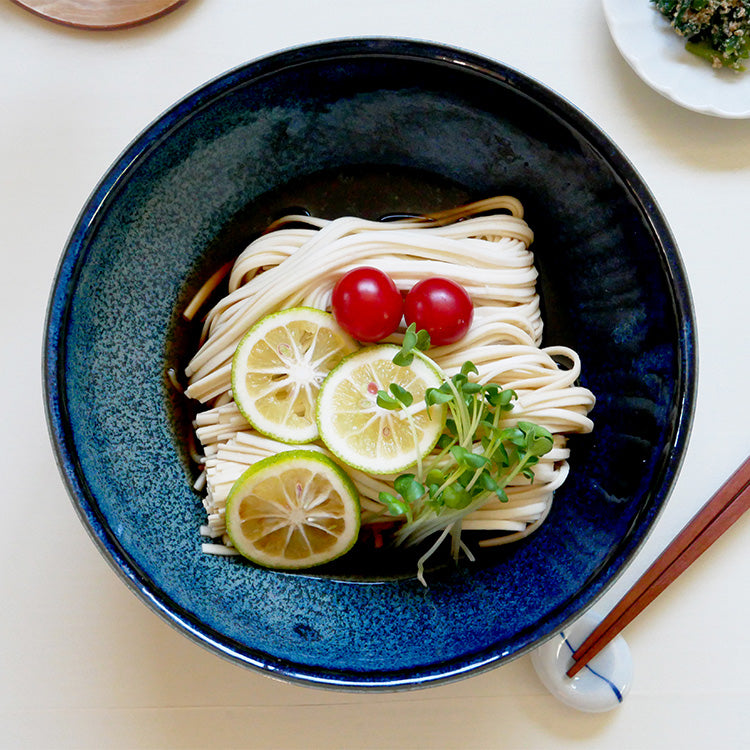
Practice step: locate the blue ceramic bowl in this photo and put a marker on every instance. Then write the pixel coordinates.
(365, 126)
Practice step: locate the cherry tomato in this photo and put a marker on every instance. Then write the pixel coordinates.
(440, 306)
(367, 304)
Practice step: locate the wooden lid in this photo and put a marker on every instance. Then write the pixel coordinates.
(100, 14)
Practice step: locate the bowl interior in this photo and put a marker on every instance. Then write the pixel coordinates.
(366, 127)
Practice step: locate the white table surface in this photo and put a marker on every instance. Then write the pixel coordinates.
(85, 664)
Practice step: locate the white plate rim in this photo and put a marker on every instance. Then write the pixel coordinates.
(657, 54)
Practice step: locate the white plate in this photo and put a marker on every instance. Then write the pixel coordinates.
(658, 55)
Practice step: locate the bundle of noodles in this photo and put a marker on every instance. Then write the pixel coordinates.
(484, 247)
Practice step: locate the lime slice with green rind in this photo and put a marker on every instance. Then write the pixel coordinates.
(297, 509)
(367, 436)
(278, 367)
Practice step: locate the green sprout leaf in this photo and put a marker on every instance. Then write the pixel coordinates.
(408, 487)
(423, 340)
(513, 435)
(402, 358)
(455, 496)
(413, 339)
(459, 380)
(395, 505)
(435, 396)
(401, 394)
(467, 459)
(435, 476)
(486, 482)
(501, 494)
(538, 439)
(410, 337)
(384, 401)
(445, 441)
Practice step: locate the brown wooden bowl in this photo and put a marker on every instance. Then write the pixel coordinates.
(100, 14)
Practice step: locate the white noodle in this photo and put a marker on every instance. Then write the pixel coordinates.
(489, 256)
(218, 549)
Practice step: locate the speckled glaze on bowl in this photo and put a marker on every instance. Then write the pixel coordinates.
(366, 126)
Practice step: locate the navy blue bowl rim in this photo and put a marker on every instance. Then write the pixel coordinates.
(57, 311)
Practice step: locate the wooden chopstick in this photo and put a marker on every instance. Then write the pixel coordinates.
(707, 525)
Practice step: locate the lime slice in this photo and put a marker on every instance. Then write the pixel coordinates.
(278, 367)
(367, 436)
(293, 510)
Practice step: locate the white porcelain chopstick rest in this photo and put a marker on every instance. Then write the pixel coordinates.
(601, 685)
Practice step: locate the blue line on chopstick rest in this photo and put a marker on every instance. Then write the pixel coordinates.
(609, 682)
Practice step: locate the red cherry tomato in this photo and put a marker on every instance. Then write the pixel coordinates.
(441, 307)
(367, 304)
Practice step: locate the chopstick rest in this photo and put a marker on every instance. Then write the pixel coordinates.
(593, 672)
(729, 502)
(602, 685)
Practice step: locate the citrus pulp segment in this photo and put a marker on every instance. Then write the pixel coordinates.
(367, 436)
(296, 509)
(278, 367)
